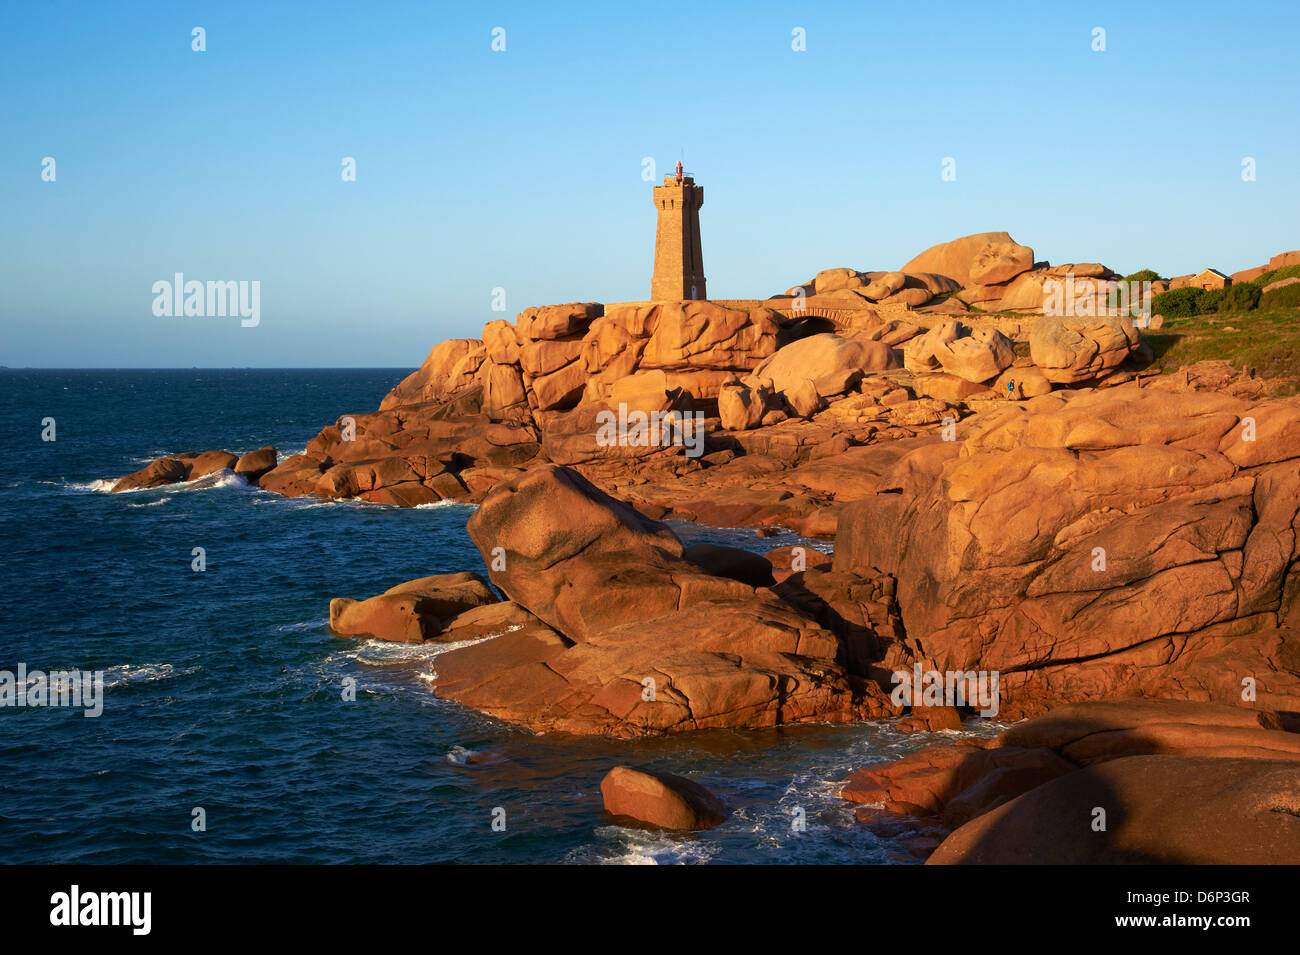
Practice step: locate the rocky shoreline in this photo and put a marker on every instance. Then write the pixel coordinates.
(1015, 495)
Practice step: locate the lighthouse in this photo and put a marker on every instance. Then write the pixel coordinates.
(679, 266)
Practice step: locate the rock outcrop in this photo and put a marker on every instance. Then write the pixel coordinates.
(638, 638)
(1033, 794)
(191, 466)
(1160, 810)
(417, 611)
(985, 258)
(1133, 540)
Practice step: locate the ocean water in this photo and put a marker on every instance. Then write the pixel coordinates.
(224, 687)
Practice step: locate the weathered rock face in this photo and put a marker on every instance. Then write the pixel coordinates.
(640, 639)
(556, 322)
(1159, 810)
(658, 799)
(451, 367)
(417, 611)
(982, 259)
(976, 355)
(1073, 348)
(1128, 541)
(698, 343)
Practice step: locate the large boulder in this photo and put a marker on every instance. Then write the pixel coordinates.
(833, 363)
(741, 406)
(1070, 349)
(664, 800)
(417, 611)
(501, 339)
(981, 259)
(885, 286)
(1170, 810)
(550, 322)
(833, 280)
(255, 464)
(973, 354)
(1056, 293)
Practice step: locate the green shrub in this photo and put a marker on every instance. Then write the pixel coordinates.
(1177, 303)
(1237, 298)
(1286, 297)
(1285, 272)
(1211, 300)
(1146, 275)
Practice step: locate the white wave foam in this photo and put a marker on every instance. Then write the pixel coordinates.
(143, 673)
(223, 478)
(464, 756)
(619, 846)
(388, 652)
(305, 625)
(102, 486)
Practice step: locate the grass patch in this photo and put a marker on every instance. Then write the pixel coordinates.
(1266, 339)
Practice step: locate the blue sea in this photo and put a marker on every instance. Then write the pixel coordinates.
(224, 688)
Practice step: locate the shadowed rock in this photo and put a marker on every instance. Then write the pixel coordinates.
(1158, 810)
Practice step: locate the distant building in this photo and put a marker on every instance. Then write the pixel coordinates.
(679, 265)
(1210, 278)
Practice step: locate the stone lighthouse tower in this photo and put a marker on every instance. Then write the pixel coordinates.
(679, 266)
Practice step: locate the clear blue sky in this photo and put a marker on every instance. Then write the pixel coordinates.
(522, 169)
